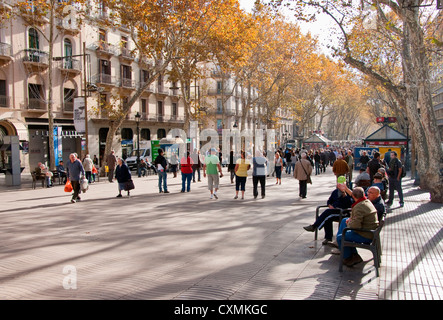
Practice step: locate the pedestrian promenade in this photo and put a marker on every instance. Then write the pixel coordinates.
(186, 246)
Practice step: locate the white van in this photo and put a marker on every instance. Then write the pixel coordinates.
(145, 153)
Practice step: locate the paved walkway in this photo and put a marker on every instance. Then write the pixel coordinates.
(185, 246)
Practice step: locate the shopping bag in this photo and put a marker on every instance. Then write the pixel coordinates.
(94, 170)
(84, 185)
(106, 169)
(68, 186)
(129, 185)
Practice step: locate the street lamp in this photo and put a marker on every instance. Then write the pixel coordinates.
(137, 120)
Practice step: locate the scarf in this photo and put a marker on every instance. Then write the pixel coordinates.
(358, 201)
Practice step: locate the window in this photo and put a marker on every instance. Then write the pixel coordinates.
(219, 87)
(102, 104)
(102, 35)
(127, 134)
(161, 133)
(33, 39)
(126, 72)
(160, 108)
(35, 94)
(219, 106)
(68, 99)
(145, 134)
(144, 107)
(144, 76)
(3, 95)
(174, 110)
(124, 42)
(68, 54)
(160, 81)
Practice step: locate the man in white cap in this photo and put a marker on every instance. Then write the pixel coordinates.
(210, 166)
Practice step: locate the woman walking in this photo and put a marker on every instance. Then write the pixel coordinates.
(241, 174)
(186, 164)
(278, 165)
(123, 175)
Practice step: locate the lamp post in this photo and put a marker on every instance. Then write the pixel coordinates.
(137, 120)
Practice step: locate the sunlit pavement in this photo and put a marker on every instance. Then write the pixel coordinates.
(186, 246)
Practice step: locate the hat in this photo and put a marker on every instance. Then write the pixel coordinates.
(213, 150)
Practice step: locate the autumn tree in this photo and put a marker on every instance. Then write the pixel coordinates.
(405, 27)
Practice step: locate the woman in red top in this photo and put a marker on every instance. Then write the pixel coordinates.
(186, 169)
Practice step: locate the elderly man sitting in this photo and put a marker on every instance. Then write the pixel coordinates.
(338, 200)
(363, 216)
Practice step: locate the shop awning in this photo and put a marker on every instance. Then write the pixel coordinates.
(21, 130)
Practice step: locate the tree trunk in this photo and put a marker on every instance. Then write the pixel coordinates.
(420, 107)
(52, 163)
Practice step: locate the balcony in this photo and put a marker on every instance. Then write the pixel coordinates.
(36, 104)
(36, 59)
(161, 90)
(148, 117)
(6, 5)
(126, 54)
(104, 79)
(177, 119)
(105, 48)
(4, 101)
(68, 27)
(5, 52)
(150, 88)
(127, 83)
(219, 92)
(70, 66)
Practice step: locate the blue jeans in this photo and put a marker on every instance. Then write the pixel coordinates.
(186, 178)
(162, 177)
(317, 168)
(351, 236)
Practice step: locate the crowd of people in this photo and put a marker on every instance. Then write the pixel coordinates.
(364, 197)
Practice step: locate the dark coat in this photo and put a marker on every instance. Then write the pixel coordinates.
(337, 200)
(122, 173)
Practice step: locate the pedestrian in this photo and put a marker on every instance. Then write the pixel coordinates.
(123, 175)
(374, 164)
(186, 164)
(364, 160)
(324, 160)
(288, 157)
(87, 165)
(294, 159)
(174, 164)
(61, 171)
(340, 167)
(241, 174)
(302, 172)
(231, 166)
(197, 165)
(95, 160)
(161, 164)
(317, 161)
(395, 175)
(278, 162)
(210, 166)
(259, 172)
(350, 161)
(111, 162)
(75, 172)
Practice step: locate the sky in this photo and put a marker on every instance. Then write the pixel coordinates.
(320, 28)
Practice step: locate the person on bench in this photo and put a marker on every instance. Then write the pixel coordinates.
(338, 199)
(363, 216)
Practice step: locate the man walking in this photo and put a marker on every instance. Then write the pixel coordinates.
(210, 166)
(74, 172)
(87, 165)
(302, 171)
(111, 162)
(395, 176)
(259, 164)
(161, 164)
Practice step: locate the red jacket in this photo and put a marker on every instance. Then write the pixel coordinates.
(186, 165)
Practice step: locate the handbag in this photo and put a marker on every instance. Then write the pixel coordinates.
(129, 185)
(68, 186)
(308, 175)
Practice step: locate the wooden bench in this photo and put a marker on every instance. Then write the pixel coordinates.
(374, 246)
